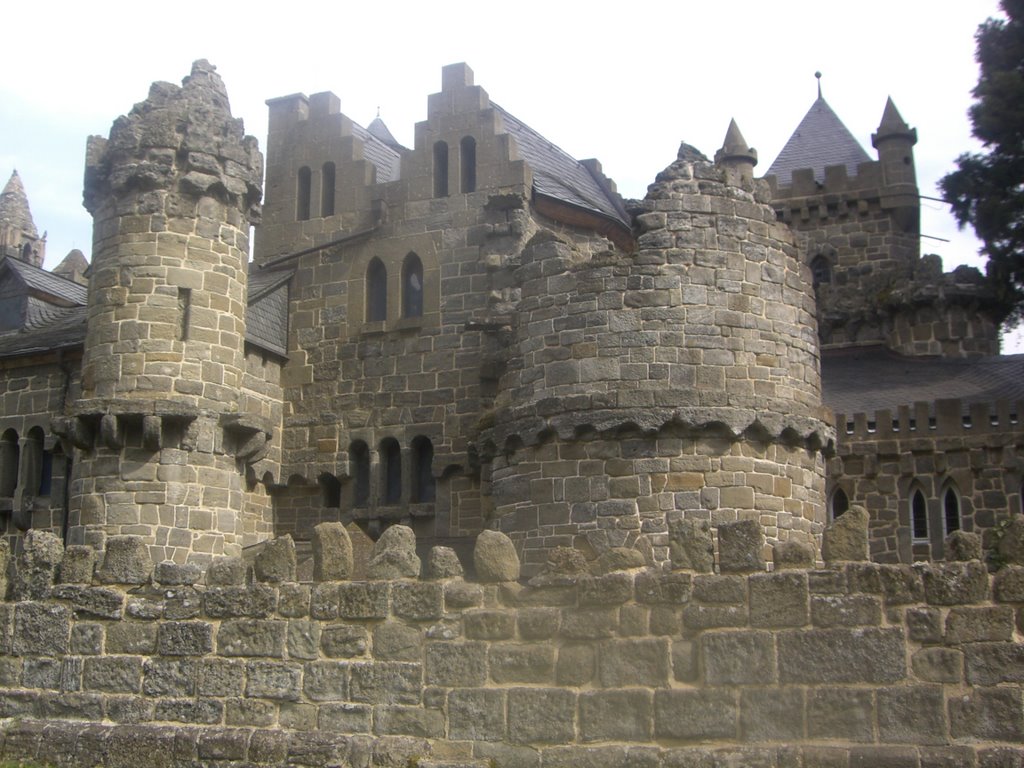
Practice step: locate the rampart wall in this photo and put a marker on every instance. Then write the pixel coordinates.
(853, 664)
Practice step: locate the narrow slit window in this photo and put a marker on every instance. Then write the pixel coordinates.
(376, 291)
(412, 286)
(327, 190)
(303, 193)
(441, 169)
(951, 510)
(32, 458)
(423, 486)
(184, 312)
(467, 150)
(359, 468)
(918, 515)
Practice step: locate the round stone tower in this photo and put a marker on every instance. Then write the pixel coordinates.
(679, 381)
(172, 192)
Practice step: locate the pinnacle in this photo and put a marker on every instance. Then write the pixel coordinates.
(891, 119)
(14, 209)
(734, 142)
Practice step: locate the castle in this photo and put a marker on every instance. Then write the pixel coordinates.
(478, 333)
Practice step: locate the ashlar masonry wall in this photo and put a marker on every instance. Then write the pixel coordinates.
(853, 664)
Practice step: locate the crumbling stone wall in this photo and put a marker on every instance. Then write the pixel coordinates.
(851, 664)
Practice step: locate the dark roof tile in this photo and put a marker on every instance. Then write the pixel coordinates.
(819, 141)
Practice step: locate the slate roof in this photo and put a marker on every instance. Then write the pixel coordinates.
(379, 130)
(62, 328)
(47, 282)
(820, 140)
(387, 161)
(866, 379)
(266, 316)
(557, 174)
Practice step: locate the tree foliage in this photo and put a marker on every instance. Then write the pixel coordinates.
(987, 189)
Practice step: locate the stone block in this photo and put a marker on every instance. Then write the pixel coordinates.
(738, 658)
(846, 538)
(344, 718)
(624, 663)
(541, 715)
(254, 713)
(169, 677)
(323, 601)
(226, 572)
(1010, 546)
(924, 625)
(883, 757)
(252, 637)
(1008, 584)
(91, 602)
(131, 637)
(409, 721)
(344, 640)
(912, 715)
(303, 639)
(417, 601)
(845, 610)
(690, 545)
(193, 711)
(443, 563)
(869, 655)
(741, 547)
(588, 623)
(38, 565)
(275, 680)
(618, 559)
(695, 715)
(489, 625)
(325, 680)
(955, 583)
(778, 600)
(938, 665)
(293, 601)
(495, 558)
(978, 624)
(626, 715)
(476, 714)
(456, 664)
(538, 623)
(654, 588)
(362, 600)
(275, 563)
(576, 665)
(219, 677)
(332, 552)
(41, 629)
(254, 601)
(126, 560)
(787, 555)
(385, 682)
(961, 546)
(516, 663)
(77, 564)
(772, 714)
(395, 641)
(185, 638)
(988, 714)
(168, 573)
(394, 555)
(994, 663)
(840, 713)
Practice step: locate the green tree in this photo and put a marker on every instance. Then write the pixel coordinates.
(987, 190)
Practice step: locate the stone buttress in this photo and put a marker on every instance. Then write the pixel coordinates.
(161, 442)
(678, 381)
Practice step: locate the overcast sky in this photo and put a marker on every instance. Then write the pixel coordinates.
(624, 85)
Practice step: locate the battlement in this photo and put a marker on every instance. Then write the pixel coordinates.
(937, 418)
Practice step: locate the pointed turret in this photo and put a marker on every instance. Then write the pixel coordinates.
(736, 157)
(895, 142)
(18, 234)
(379, 130)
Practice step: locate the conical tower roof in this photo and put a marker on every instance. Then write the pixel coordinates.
(14, 210)
(820, 140)
(380, 131)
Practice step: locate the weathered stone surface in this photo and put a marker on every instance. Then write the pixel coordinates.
(792, 554)
(690, 545)
(741, 547)
(695, 715)
(1010, 545)
(870, 655)
(456, 664)
(495, 558)
(276, 562)
(979, 624)
(738, 658)
(332, 552)
(41, 628)
(77, 564)
(477, 714)
(125, 561)
(252, 637)
(955, 583)
(443, 563)
(912, 715)
(394, 555)
(417, 601)
(778, 600)
(168, 573)
(846, 537)
(626, 715)
(226, 572)
(845, 610)
(521, 663)
(618, 559)
(841, 713)
(987, 713)
(38, 564)
(344, 640)
(772, 714)
(962, 546)
(541, 715)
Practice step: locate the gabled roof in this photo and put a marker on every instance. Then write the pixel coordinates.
(379, 130)
(48, 283)
(558, 175)
(384, 158)
(819, 141)
(867, 379)
(266, 316)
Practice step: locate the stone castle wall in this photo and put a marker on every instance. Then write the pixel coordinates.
(851, 664)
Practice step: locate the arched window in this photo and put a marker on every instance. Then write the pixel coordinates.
(918, 515)
(327, 190)
(422, 474)
(467, 150)
(412, 286)
(330, 490)
(302, 193)
(8, 463)
(951, 510)
(359, 470)
(32, 459)
(376, 291)
(390, 471)
(840, 503)
(441, 169)
(821, 270)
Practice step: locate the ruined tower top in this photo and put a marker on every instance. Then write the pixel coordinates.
(18, 234)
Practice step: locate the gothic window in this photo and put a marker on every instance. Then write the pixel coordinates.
(412, 286)
(467, 149)
(441, 169)
(376, 291)
(821, 271)
(359, 470)
(423, 488)
(390, 471)
(951, 510)
(327, 190)
(918, 515)
(302, 193)
(8, 463)
(840, 503)
(330, 490)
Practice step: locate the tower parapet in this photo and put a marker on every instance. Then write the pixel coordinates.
(172, 191)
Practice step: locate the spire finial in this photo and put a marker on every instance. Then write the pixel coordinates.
(818, 76)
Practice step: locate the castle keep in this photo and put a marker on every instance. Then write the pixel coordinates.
(478, 464)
